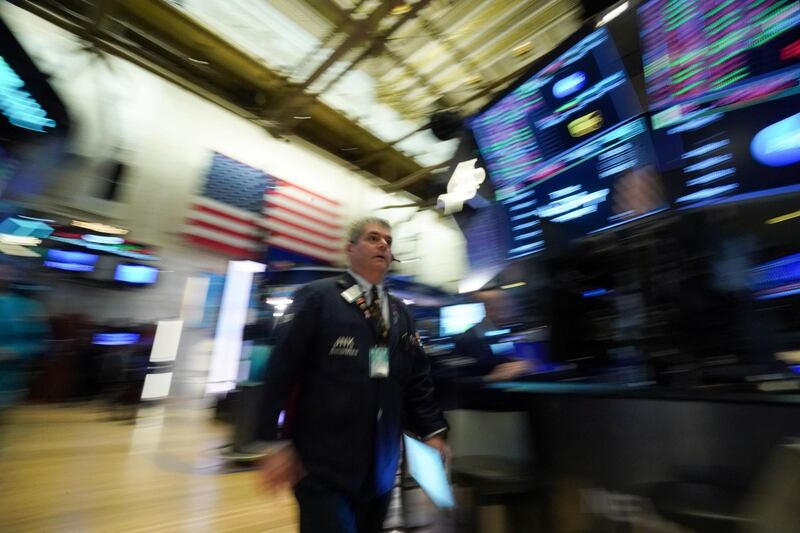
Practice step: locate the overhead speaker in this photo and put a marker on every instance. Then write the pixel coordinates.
(446, 125)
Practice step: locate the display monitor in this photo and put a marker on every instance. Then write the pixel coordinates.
(29, 108)
(776, 279)
(556, 143)
(582, 91)
(136, 274)
(733, 153)
(455, 319)
(611, 180)
(115, 339)
(72, 261)
(696, 49)
(723, 79)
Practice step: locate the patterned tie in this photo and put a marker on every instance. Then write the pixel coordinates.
(376, 314)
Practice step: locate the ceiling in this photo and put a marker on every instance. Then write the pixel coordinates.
(357, 78)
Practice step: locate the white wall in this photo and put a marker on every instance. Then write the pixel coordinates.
(166, 135)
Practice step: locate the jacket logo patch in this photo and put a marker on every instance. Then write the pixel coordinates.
(344, 346)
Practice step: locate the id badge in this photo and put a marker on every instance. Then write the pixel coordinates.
(379, 362)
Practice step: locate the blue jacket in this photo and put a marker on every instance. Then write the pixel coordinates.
(346, 425)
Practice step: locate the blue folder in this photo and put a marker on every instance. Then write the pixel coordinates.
(426, 466)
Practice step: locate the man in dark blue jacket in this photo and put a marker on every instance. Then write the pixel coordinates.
(349, 371)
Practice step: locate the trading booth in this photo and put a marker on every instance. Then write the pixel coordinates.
(645, 199)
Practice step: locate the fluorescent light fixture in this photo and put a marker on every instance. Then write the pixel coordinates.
(783, 218)
(522, 49)
(19, 240)
(497, 332)
(476, 280)
(285, 302)
(614, 13)
(99, 228)
(401, 9)
(102, 239)
(513, 285)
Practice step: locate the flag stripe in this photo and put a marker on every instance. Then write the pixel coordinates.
(220, 228)
(218, 219)
(305, 242)
(329, 201)
(219, 246)
(302, 221)
(302, 225)
(277, 227)
(234, 242)
(279, 203)
(207, 204)
(303, 201)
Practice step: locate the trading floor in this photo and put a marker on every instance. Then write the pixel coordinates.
(72, 469)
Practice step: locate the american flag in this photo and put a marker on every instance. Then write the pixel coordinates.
(240, 208)
(303, 222)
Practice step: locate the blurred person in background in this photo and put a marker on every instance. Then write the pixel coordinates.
(349, 362)
(23, 336)
(477, 346)
(127, 395)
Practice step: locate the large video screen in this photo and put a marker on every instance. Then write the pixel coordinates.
(693, 49)
(730, 154)
(455, 319)
(610, 181)
(554, 127)
(723, 79)
(28, 106)
(583, 92)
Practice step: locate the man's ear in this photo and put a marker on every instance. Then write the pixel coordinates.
(348, 248)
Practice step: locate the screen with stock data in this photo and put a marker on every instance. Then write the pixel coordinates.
(568, 145)
(723, 79)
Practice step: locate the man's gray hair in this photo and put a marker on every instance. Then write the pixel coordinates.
(357, 227)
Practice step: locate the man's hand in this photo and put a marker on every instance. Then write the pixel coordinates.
(438, 442)
(510, 370)
(282, 468)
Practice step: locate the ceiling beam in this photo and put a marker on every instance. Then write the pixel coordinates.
(165, 40)
(378, 43)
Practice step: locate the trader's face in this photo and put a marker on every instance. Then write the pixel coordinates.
(371, 255)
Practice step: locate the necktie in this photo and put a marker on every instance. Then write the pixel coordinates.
(376, 314)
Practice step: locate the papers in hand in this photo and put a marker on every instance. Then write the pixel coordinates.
(426, 466)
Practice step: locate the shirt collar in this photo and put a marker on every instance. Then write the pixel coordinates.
(365, 285)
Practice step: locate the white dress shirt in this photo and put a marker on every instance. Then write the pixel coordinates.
(366, 287)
